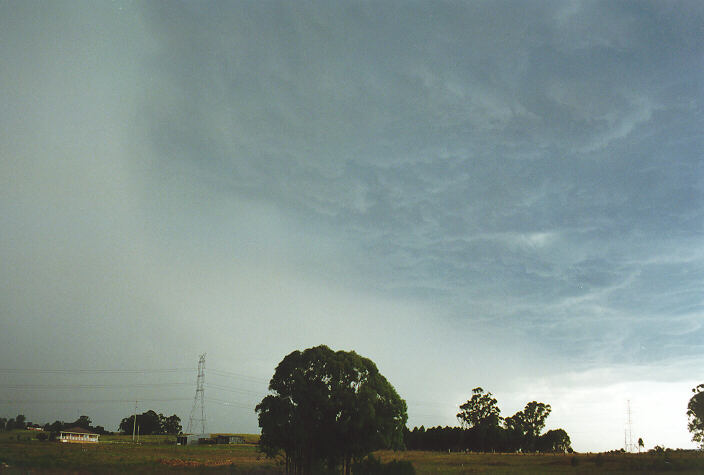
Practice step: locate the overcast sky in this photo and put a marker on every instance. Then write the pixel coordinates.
(498, 194)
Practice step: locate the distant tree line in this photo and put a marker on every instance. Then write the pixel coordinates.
(458, 439)
(148, 423)
(20, 422)
(151, 423)
(83, 422)
(484, 430)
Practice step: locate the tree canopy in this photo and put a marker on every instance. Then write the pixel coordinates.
(480, 410)
(329, 409)
(695, 414)
(555, 440)
(150, 422)
(481, 432)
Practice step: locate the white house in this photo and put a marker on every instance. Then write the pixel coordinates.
(78, 434)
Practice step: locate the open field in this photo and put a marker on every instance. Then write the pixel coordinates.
(457, 463)
(160, 454)
(117, 453)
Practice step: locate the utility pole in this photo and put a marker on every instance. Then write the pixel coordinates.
(134, 423)
(199, 399)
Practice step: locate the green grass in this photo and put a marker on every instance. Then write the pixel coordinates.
(160, 454)
(118, 454)
(457, 463)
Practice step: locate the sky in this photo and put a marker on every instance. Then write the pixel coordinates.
(505, 194)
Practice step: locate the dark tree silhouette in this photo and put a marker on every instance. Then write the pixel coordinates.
(329, 409)
(83, 421)
(534, 416)
(480, 414)
(695, 414)
(151, 423)
(556, 441)
(170, 425)
(20, 421)
(481, 432)
(481, 410)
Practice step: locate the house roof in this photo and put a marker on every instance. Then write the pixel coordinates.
(78, 430)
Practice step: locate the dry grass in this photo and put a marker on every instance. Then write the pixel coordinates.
(456, 463)
(119, 454)
(160, 454)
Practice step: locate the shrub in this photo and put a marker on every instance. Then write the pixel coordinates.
(658, 449)
(599, 460)
(373, 466)
(42, 436)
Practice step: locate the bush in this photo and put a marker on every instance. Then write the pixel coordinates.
(599, 460)
(42, 436)
(658, 449)
(373, 466)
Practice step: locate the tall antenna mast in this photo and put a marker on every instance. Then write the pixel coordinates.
(199, 399)
(628, 436)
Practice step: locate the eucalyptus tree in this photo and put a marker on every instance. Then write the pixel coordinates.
(524, 426)
(329, 409)
(556, 441)
(534, 416)
(481, 415)
(480, 410)
(695, 415)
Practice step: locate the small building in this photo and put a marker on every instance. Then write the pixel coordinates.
(191, 439)
(229, 439)
(78, 435)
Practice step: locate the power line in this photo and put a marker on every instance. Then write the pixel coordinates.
(233, 390)
(217, 372)
(86, 401)
(240, 404)
(92, 371)
(91, 386)
(238, 376)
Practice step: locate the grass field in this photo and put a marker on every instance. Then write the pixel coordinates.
(116, 453)
(160, 454)
(457, 463)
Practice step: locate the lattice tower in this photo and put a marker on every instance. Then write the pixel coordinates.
(199, 400)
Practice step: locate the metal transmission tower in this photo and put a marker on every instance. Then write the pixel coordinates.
(629, 446)
(198, 400)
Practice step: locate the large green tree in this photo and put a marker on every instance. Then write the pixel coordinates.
(695, 414)
(556, 441)
(170, 425)
(329, 409)
(480, 414)
(480, 410)
(82, 421)
(524, 426)
(150, 422)
(534, 417)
